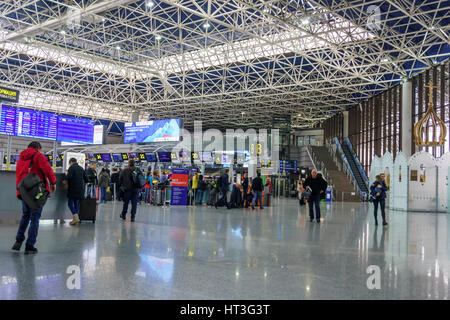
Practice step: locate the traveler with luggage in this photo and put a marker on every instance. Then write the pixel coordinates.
(130, 186)
(93, 182)
(224, 186)
(378, 195)
(103, 183)
(213, 192)
(257, 187)
(148, 186)
(31, 167)
(316, 185)
(76, 180)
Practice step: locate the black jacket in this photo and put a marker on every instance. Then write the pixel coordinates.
(318, 184)
(115, 177)
(245, 183)
(257, 184)
(126, 179)
(76, 178)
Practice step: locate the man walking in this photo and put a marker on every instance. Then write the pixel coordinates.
(32, 161)
(245, 188)
(257, 187)
(317, 185)
(76, 179)
(130, 190)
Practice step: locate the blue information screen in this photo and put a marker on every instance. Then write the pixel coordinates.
(117, 157)
(151, 157)
(8, 121)
(152, 131)
(164, 157)
(36, 124)
(76, 130)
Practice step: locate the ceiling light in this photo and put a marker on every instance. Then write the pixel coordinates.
(385, 60)
(157, 37)
(305, 21)
(206, 25)
(118, 48)
(150, 3)
(63, 32)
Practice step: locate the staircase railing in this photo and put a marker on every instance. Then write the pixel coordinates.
(347, 169)
(358, 163)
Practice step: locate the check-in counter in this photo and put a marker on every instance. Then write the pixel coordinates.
(11, 207)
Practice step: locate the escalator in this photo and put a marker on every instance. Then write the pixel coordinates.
(355, 166)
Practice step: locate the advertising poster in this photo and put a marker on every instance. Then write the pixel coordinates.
(180, 180)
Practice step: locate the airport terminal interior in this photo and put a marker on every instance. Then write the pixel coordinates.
(237, 150)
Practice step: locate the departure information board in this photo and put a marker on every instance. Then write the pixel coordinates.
(36, 124)
(8, 121)
(76, 130)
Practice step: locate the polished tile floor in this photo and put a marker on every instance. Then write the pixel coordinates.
(204, 253)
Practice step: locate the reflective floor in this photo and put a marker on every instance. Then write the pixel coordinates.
(204, 253)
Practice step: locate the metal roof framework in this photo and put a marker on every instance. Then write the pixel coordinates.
(231, 64)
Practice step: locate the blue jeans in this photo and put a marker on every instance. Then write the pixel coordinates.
(258, 195)
(382, 203)
(146, 195)
(29, 217)
(91, 191)
(130, 195)
(200, 196)
(103, 195)
(74, 205)
(314, 201)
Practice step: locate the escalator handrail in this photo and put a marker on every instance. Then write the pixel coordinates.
(357, 162)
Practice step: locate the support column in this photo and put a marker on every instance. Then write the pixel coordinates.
(345, 129)
(135, 116)
(406, 116)
(8, 154)
(55, 155)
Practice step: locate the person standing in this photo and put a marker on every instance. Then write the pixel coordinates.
(224, 187)
(257, 187)
(201, 189)
(195, 186)
(130, 190)
(316, 185)
(378, 192)
(32, 161)
(103, 183)
(76, 180)
(115, 183)
(245, 189)
(93, 182)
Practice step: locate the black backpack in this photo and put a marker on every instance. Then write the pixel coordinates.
(32, 190)
(138, 178)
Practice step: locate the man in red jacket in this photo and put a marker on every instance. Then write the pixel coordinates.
(30, 217)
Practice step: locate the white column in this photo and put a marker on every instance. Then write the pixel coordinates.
(135, 116)
(406, 125)
(345, 114)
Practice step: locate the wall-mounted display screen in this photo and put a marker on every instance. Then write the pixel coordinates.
(117, 157)
(152, 131)
(195, 156)
(151, 157)
(8, 121)
(75, 130)
(98, 157)
(91, 157)
(164, 156)
(133, 156)
(36, 124)
(206, 156)
(106, 157)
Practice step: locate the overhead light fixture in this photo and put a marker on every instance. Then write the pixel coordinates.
(157, 37)
(206, 25)
(63, 32)
(150, 3)
(118, 48)
(305, 21)
(385, 60)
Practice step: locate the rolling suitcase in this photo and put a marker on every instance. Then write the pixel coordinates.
(88, 210)
(159, 199)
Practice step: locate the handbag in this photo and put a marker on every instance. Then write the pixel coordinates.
(306, 194)
(32, 190)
